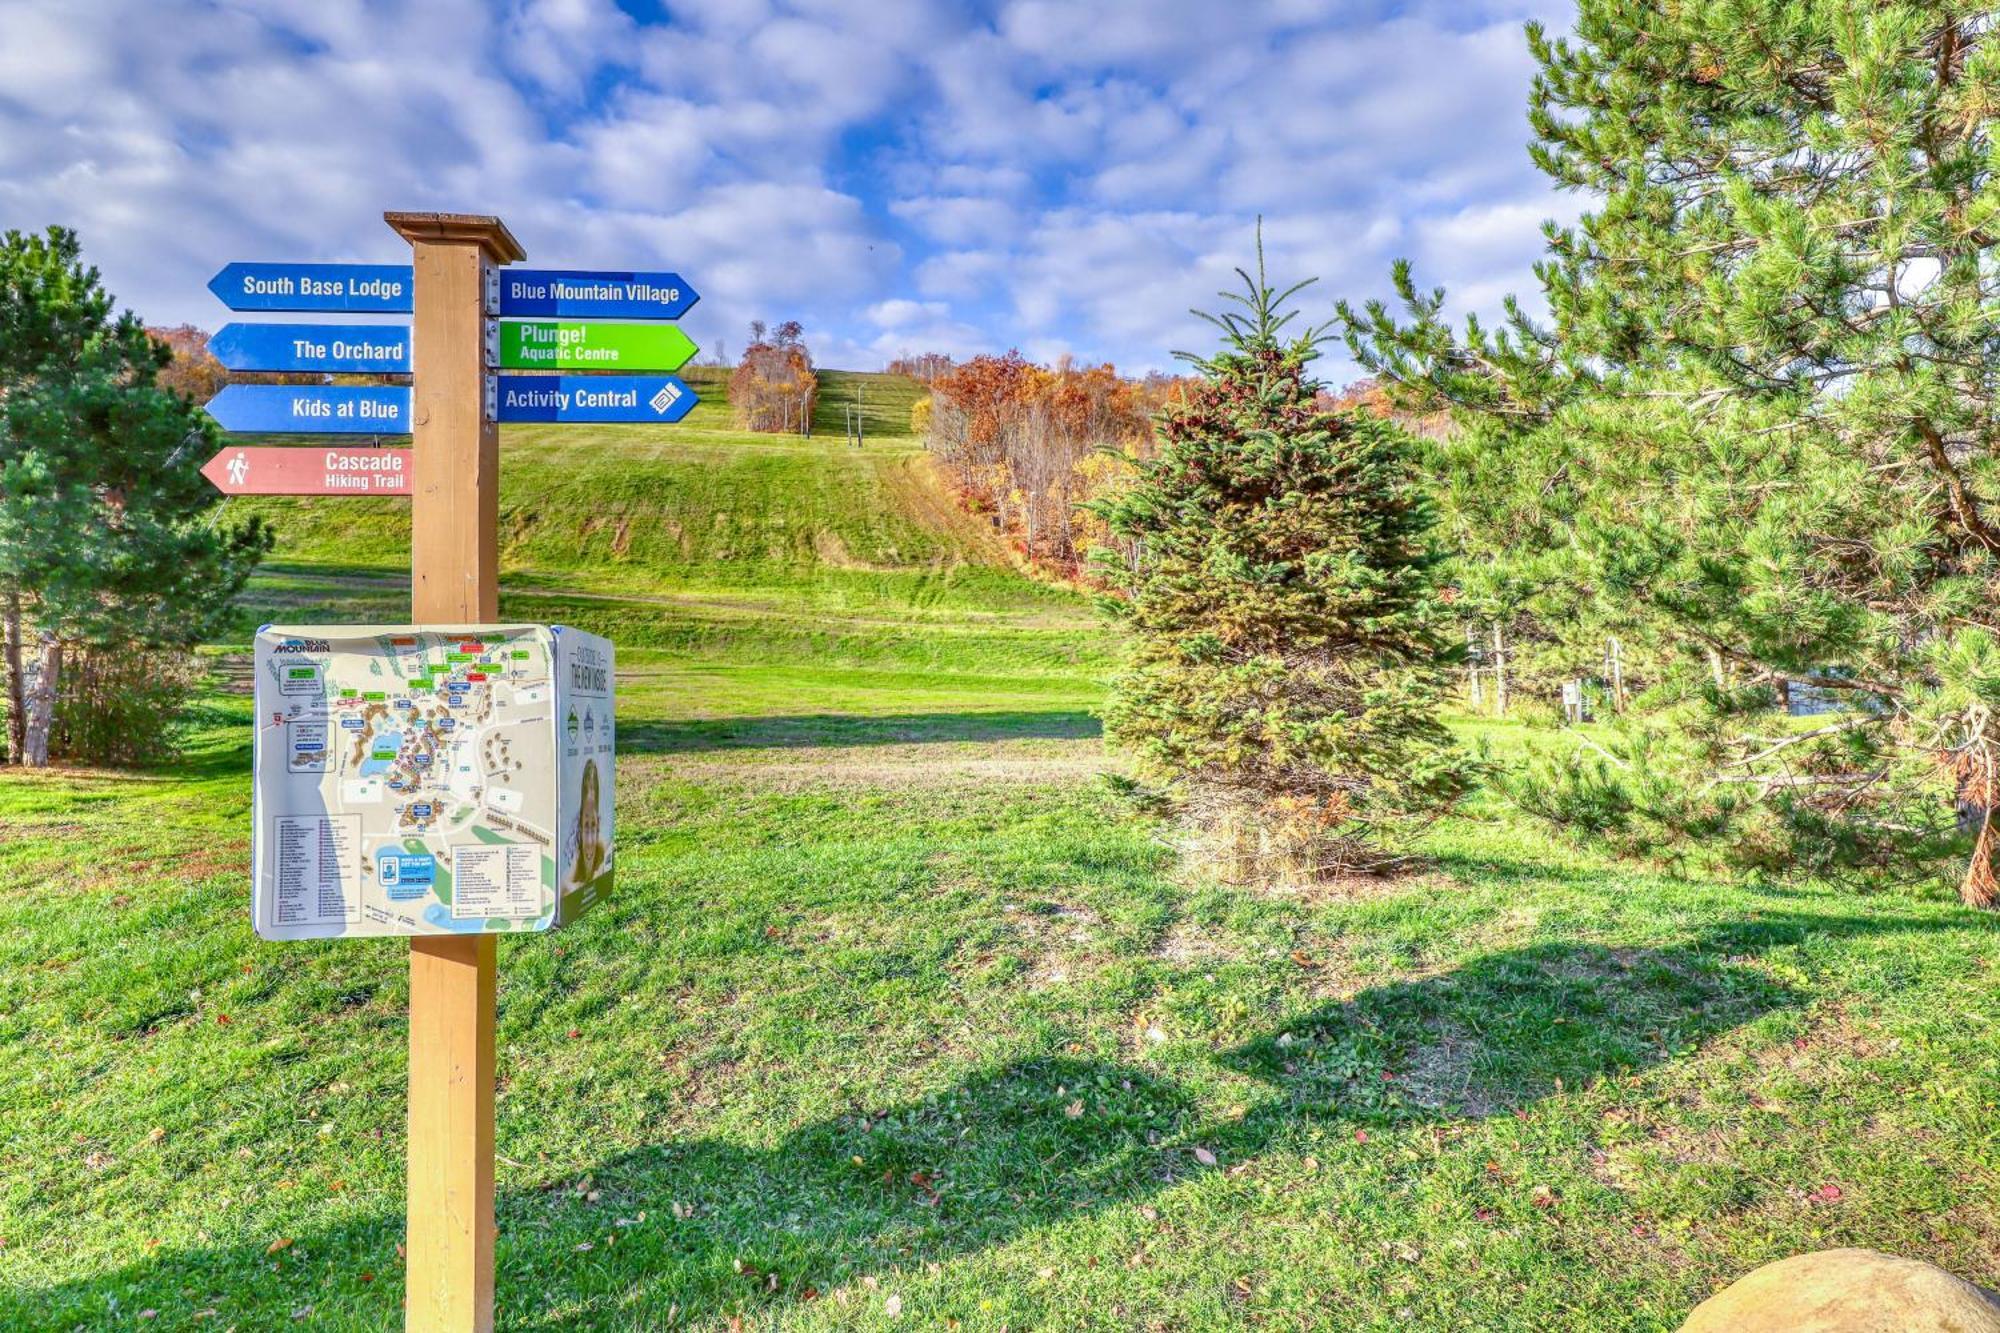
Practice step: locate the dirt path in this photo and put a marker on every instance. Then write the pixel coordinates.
(1032, 763)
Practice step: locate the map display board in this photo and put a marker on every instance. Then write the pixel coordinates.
(429, 779)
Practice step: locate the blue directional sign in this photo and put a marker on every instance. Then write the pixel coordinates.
(348, 288)
(358, 349)
(594, 295)
(650, 398)
(312, 409)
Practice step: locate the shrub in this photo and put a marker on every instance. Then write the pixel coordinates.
(120, 706)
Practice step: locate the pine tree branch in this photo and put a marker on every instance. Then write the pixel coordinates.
(1963, 506)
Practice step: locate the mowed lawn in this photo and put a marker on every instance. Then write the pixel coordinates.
(898, 1019)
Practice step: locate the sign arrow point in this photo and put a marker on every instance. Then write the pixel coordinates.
(312, 409)
(375, 288)
(321, 470)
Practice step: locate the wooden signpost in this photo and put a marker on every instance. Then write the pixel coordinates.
(455, 293)
(454, 579)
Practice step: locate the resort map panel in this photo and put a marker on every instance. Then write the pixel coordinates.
(429, 780)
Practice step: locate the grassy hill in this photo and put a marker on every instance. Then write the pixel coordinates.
(884, 401)
(702, 504)
(743, 559)
(898, 1019)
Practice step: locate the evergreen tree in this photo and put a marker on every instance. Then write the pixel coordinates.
(106, 538)
(1285, 657)
(1763, 424)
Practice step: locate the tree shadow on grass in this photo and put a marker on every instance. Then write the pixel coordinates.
(731, 1228)
(1579, 873)
(389, 576)
(805, 730)
(1506, 1029)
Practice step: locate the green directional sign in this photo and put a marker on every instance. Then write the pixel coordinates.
(567, 344)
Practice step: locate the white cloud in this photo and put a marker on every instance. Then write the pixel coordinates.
(960, 274)
(1484, 235)
(1168, 126)
(51, 60)
(912, 327)
(959, 219)
(901, 313)
(560, 44)
(1061, 175)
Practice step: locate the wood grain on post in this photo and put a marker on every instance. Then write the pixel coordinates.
(454, 579)
(449, 1255)
(454, 550)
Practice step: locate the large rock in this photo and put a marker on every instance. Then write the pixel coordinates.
(1848, 1291)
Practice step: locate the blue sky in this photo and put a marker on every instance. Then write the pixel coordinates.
(1062, 176)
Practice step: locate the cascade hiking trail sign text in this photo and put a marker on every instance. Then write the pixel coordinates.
(332, 470)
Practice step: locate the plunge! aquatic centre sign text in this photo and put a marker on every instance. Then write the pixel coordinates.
(548, 344)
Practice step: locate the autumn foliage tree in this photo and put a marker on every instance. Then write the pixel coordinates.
(923, 367)
(775, 388)
(192, 372)
(1027, 444)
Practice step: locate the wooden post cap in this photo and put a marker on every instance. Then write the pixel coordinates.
(481, 229)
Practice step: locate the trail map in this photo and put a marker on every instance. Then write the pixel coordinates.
(430, 780)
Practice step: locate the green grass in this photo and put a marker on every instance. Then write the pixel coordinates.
(884, 402)
(894, 1003)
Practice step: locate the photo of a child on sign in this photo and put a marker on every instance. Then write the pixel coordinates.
(588, 837)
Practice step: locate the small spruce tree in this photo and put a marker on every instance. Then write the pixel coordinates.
(1286, 662)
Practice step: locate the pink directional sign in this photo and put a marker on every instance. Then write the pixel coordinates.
(323, 470)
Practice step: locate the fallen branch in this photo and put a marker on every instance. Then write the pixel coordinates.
(1851, 724)
(1582, 739)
